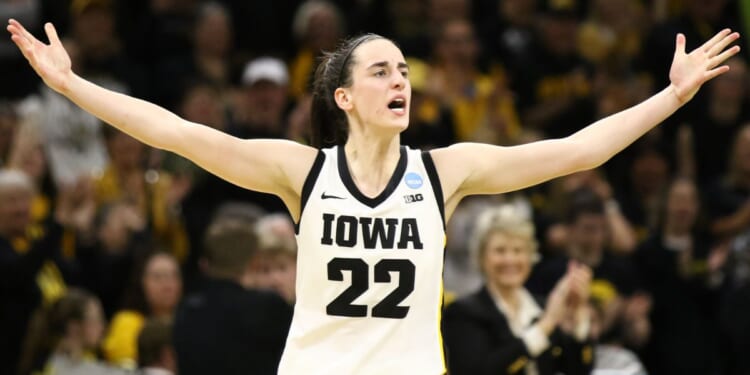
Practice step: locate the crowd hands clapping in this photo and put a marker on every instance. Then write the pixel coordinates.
(643, 260)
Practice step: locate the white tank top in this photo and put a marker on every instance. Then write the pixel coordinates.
(369, 272)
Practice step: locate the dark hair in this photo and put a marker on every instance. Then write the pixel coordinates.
(49, 325)
(135, 297)
(700, 225)
(583, 201)
(155, 336)
(334, 70)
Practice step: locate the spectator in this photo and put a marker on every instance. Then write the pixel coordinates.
(71, 138)
(201, 103)
(107, 256)
(223, 328)
(27, 154)
(614, 276)
(262, 103)
(64, 337)
(621, 238)
(156, 354)
(274, 266)
(100, 55)
(678, 265)
(727, 109)
(211, 58)
(728, 199)
(482, 105)
(34, 271)
(430, 122)
(502, 328)
(153, 194)
(554, 85)
(260, 112)
(154, 293)
(642, 195)
(317, 27)
(611, 357)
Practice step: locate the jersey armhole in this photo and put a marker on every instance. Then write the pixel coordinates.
(437, 189)
(308, 185)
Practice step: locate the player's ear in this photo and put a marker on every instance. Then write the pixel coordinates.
(343, 98)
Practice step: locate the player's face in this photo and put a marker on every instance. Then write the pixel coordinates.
(506, 261)
(380, 93)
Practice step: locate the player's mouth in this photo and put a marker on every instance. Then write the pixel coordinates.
(398, 106)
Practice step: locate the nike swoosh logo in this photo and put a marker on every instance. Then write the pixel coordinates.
(324, 196)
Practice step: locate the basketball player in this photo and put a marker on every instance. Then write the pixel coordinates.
(370, 213)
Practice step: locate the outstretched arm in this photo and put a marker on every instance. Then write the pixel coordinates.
(272, 166)
(471, 168)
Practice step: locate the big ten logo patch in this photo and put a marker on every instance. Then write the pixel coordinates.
(411, 198)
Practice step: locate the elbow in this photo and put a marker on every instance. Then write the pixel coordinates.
(585, 156)
(171, 136)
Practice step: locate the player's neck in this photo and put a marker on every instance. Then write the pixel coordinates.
(371, 162)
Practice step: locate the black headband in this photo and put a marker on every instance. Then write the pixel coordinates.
(346, 58)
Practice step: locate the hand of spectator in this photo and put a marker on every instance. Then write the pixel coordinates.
(130, 216)
(691, 70)
(121, 221)
(556, 307)
(50, 61)
(76, 206)
(718, 257)
(580, 283)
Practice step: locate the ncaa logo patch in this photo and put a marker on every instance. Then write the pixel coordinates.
(413, 180)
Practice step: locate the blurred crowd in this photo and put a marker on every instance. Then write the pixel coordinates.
(116, 257)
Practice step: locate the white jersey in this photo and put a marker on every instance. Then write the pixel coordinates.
(369, 272)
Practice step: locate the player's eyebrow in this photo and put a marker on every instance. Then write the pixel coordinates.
(383, 64)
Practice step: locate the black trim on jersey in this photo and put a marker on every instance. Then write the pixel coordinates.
(307, 187)
(437, 189)
(346, 178)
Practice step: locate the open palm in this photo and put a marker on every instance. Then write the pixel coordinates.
(691, 70)
(50, 61)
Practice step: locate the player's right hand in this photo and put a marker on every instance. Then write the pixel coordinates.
(50, 61)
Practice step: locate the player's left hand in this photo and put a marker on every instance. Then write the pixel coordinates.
(691, 70)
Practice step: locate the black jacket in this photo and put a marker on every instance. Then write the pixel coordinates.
(20, 294)
(226, 329)
(479, 341)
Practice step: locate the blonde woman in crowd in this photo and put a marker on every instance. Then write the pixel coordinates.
(502, 328)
